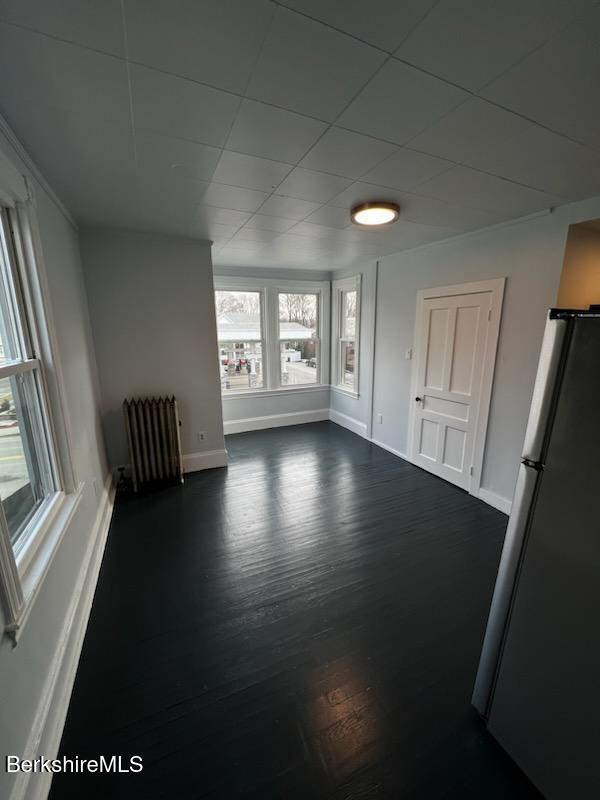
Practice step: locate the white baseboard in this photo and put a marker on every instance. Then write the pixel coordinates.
(354, 425)
(390, 449)
(275, 421)
(495, 500)
(47, 728)
(194, 462)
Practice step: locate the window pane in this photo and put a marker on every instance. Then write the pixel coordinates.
(298, 315)
(9, 342)
(239, 330)
(349, 314)
(25, 472)
(348, 362)
(238, 316)
(241, 365)
(299, 363)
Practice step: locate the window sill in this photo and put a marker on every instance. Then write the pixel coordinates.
(347, 392)
(34, 560)
(319, 387)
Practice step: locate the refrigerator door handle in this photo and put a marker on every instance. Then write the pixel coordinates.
(543, 390)
(516, 531)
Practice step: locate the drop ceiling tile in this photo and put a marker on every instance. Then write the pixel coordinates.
(469, 42)
(418, 208)
(263, 130)
(254, 235)
(346, 153)
(306, 184)
(557, 85)
(215, 42)
(309, 68)
(385, 29)
(400, 102)
(469, 187)
(406, 169)
(61, 76)
(234, 197)
(181, 108)
(331, 217)
(361, 192)
(238, 169)
(223, 216)
(68, 106)
(179, 157)
(219, 234)
(265, 223)
(472, 127)
(315, 231)
(95, 25)
(545, 161)
(288, 207)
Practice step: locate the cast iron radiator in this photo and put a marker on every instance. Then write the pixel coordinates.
(152, 426)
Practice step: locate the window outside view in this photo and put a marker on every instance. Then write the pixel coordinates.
(239, 332)
(299, 344)
(21, 485)
(348, 343)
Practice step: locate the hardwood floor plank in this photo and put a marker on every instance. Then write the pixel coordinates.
(304, 624)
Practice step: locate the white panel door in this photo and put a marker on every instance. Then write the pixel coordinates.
(452, 334)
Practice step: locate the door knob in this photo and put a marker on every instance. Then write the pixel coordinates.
(419, 399)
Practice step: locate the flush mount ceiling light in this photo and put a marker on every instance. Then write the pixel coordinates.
(375, 214)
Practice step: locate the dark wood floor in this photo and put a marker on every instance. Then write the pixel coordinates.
(305, 624)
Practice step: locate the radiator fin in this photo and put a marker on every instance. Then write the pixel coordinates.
(152, 426)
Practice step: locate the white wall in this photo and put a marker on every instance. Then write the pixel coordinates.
(153, 316)
(26, 671)
(530, 254)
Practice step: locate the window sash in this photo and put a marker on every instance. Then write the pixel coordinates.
(32, 414)
(341, 289)
(263, 359)
(270, 290)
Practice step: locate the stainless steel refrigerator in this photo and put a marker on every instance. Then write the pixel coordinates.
(538, 683)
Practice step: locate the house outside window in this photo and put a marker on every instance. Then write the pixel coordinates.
(270, 334)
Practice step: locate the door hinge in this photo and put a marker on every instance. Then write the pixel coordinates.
(471, 469)
(489, 315)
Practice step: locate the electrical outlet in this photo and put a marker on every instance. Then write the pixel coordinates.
(201, 436)
(380, 419)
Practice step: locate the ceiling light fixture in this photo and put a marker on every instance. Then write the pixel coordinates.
(375, 214)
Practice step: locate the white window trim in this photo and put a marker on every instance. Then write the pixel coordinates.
(22, 572)
(270, 288)
(338, 288)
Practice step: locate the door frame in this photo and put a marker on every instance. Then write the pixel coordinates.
(496, 287)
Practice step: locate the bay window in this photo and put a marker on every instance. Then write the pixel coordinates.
(346, 327)
(299, 338)
(240, 339)
(270, 334)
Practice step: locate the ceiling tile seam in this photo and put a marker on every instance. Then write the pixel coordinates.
(310, 116)
(129, 85)
(550, 38)
(478, 169)
(242, 97)
(468, 207)
(332, 123)
(331, 27)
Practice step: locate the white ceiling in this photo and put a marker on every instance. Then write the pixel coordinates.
(258, 124)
